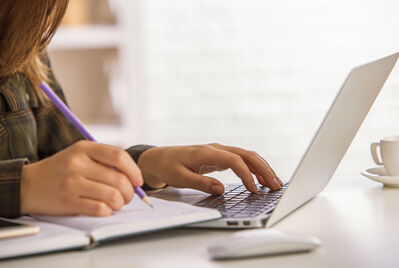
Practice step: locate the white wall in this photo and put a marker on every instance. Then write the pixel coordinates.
(260, 74)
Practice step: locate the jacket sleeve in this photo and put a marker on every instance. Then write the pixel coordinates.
(10, 177)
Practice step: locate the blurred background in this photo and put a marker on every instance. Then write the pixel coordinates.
(251, 73)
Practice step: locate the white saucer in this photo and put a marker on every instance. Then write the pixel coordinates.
(380, 175)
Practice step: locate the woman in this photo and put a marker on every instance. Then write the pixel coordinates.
(45, 165)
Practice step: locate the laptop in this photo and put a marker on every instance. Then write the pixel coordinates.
(242, 209)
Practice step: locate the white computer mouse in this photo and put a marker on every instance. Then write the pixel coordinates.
(261, 242)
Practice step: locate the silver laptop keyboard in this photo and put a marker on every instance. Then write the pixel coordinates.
(238, 202)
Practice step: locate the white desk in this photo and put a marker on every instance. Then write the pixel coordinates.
(357, 220)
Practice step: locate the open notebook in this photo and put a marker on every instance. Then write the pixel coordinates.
(64, 233)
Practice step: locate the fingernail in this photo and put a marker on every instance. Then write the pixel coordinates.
(277, 183)
(217, 189)
(254, 187)
(140, 180)
(281, 183)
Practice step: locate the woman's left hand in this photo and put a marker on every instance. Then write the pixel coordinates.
(184, 166)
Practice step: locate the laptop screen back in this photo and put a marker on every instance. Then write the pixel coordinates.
(335, 134)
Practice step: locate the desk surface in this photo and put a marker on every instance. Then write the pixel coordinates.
(357, 220)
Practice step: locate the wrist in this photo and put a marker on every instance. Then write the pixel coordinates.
(146, 163)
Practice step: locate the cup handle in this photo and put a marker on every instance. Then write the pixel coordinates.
(374, 153)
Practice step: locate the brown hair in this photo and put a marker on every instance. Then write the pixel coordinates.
(26, 28)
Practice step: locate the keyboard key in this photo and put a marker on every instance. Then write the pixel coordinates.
(238, 202)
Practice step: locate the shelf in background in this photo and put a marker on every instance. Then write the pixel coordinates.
(86, 37)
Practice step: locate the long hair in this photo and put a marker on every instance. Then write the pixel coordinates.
(26, 28)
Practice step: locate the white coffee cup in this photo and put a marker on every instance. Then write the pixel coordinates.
(389, 152)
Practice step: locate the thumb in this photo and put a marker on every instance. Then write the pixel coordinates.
(203, 183)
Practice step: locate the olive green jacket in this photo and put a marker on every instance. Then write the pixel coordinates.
(30, 130)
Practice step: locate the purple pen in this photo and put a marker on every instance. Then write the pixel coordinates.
(78, 124)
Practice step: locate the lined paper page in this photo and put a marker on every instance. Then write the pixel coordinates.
(137, 217)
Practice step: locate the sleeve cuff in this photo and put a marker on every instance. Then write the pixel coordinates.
(10, 178)
(137, 150)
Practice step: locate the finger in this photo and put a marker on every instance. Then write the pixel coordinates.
(193, 180)
(114, 157)
(110, 176)
(225, 160)
(262, 168)
(208, 169)
(92, 207)
(274, 173)
(260, 179)
(101, 192)
(259, 165)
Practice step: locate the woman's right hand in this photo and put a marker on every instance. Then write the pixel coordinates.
(85, 178)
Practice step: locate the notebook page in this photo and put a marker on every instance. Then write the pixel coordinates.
(51, 238)
(137, 217)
